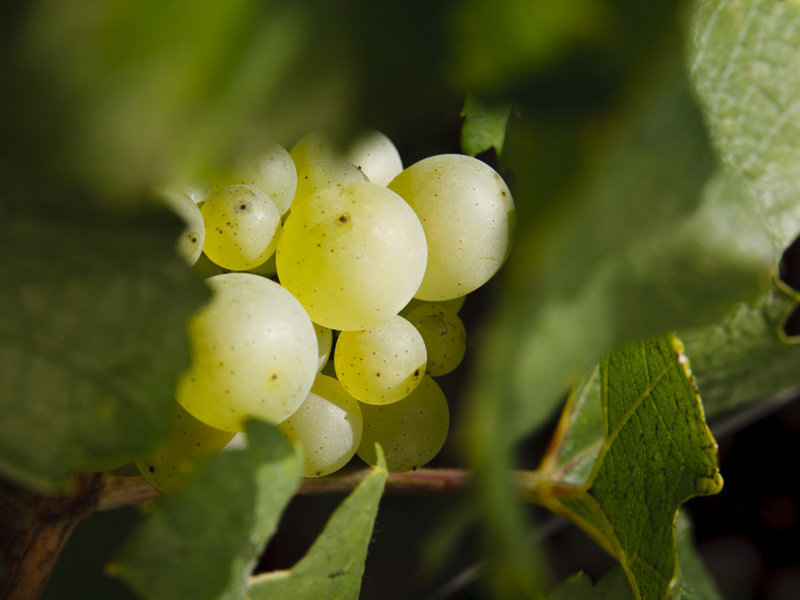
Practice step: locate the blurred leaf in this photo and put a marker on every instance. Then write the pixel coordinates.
(745, 357)
(746, 66)
(655, 452)
(694, 582)
(333, 567)
(92, 340)
(484, 126)
(203, 543)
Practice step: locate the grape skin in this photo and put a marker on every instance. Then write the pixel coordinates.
(376, 156)
(352, 254)
(254, 354)
(273, 172)
(324, 173)
(411, 431)
(444, 334)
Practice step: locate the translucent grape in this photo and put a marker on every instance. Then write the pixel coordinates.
(324, 342)
(241, 224)
(468, 216)
(411, 431)
(169, 468)
(381, 364)
(273, 172)
(325, 173)
(254, 354)
(454, 304)
(444, 335)
(312, 147)
(190, 241)
(352, 254)
(328, 425)
(376, 156)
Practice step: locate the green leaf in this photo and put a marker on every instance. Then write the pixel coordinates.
(203, 543)
(694, 582)
(333, 567)
(655, 452)
(746, 66)
(92, 340)
(745, 357)
(484, 125)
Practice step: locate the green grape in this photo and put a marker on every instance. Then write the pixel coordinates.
(376, 156)
(311, 147)
(327, 425)
(411, 431)
(381, 364)
(468, 216)
(206, 268)
(241, 225)
(455, 304)
(324, 343)
(254, 354)
(169, 468)
(444, 335)
(324, 173)
(267, 268)
(353, 255)
(190, 241)
(272, 172)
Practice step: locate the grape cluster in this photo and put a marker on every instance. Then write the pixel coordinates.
(319, 244)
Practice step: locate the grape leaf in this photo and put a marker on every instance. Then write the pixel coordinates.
(92, 340)
(655, 452)
(484, 125)
(745, 357)
(746, 67)
(203, 542)
(333, 567)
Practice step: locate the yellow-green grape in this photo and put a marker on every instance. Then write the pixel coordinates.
(468, 216)
(455, 304)
(190, 242)
(324, 342)
(382, 364)
(267, 268)
(353, 255)
(411, 431)
(311, 147)
(376, 156)
(327, 425)
(170, 467)
(272, 172)
(241, 227)
(444, 335)
(206, 268)
(325, 173)
(254, 354)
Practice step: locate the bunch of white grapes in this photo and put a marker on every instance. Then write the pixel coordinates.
(304, 247)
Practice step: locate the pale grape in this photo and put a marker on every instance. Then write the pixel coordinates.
(324, 173)
(190, 241)
(241, 226)
(254, 354)
(273, 172)
(468, 215)
(312, 147)
(327, 425)
(170, 467)
(410, 431)
(376, 155)
(353, 255)
(324, 343)
(454, 304)
(382, 364)
(444, 334)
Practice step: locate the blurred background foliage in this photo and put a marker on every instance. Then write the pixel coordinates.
(605, 151)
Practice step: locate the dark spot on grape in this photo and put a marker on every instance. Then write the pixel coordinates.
(343, 218)
(243, 206)
(377, 374)
(274, 376)
(151, 468)
(416, 373)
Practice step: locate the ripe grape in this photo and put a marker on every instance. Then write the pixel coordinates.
(312, 147)
(328, 425)
(241, 223)
(272, 172)
(168, 469)
(254, 354)
(376, 156)
(382, 364)
(190, 242)
(411, 431)
(325, 173)
(324, 343)
(353, 255)
(468, 215)
(444, 335)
